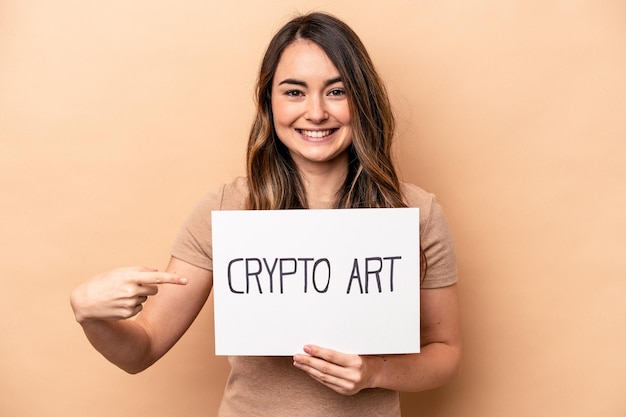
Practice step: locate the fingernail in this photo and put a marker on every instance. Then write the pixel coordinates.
(182, 280)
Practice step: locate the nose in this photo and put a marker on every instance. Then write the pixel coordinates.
(316, 109)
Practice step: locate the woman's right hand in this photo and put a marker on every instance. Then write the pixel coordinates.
(118, 294)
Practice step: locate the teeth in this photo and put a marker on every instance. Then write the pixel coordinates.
(316, 133)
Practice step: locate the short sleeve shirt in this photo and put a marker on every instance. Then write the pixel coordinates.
(272, 386)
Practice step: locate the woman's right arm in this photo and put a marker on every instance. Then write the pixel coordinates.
(105, 304)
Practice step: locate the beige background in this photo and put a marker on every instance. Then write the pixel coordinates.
(117, 116)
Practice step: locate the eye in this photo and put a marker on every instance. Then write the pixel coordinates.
(294, 93)
(337, 92)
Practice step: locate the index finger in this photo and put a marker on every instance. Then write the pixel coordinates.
(157, 277)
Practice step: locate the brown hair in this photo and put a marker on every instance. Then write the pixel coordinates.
(371, 180)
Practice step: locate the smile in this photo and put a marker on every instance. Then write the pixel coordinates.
(317, 134)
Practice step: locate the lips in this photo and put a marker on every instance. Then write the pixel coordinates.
(316, 134)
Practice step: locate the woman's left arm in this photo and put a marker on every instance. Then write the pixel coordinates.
(435, 365)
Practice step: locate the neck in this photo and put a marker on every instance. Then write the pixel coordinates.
(321, 184)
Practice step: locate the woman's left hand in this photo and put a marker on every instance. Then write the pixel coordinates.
(344, 373)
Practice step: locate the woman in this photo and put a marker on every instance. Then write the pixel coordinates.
(321, 139)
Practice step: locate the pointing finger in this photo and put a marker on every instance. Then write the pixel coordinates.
(156, 277)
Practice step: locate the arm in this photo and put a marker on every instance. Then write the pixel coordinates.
(104, 305)
(436, 364)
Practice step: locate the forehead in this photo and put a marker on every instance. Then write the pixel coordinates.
(305, 59)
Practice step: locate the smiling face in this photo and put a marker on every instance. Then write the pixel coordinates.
(310, 108)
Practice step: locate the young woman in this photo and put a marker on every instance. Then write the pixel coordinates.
(321, 139)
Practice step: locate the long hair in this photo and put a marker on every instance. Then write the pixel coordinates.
(372, 180)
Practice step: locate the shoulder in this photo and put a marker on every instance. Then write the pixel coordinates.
(431, 212)
(227, 196)
(234, 194)
(415, 196)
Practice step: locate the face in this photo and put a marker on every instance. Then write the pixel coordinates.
(310, 106)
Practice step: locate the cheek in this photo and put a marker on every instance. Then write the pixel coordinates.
(342, 113)
(281, 113)
(349, 137)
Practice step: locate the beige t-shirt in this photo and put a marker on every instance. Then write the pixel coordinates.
(272, 386)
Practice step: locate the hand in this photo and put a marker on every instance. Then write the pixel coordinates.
(118, 294)
(344, 373)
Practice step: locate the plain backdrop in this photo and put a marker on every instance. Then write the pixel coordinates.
(116, 117)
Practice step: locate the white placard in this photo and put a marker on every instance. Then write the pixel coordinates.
(345, 279)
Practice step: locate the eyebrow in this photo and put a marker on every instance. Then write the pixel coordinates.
(304, 84)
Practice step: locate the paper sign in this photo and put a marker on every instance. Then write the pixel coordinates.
(347, 280)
